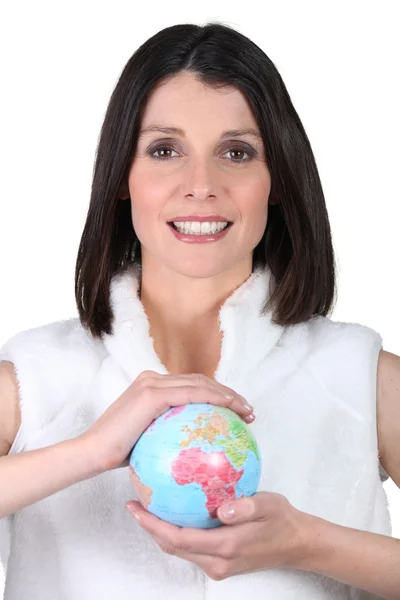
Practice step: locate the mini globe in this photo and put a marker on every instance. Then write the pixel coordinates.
(191, 460)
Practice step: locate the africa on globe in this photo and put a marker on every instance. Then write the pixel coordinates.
(191, 460)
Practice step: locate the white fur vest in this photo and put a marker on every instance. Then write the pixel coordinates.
(313, 387)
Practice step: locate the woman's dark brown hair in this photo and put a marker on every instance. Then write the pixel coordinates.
(296, 244)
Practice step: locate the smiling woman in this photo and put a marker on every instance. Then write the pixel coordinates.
(205, 274)
(221, 200)
(199, 131)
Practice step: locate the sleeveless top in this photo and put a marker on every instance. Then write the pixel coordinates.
(313, 388)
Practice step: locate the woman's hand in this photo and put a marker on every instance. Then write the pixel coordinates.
(113, 435)
(264, 532)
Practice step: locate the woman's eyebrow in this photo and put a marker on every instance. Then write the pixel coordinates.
(177, 131)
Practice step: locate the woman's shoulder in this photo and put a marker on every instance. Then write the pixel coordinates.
(52, 363)
(61, 351)
(68, 337)
(321, 331)
(10, 417)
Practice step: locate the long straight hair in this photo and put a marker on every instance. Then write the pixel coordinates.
(296, 244)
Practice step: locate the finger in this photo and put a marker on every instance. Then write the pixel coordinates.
(191, 393)
(215, 568)
(207, 380)
(176, 539)
(199, 380)
(184, 379)
(258, 507)
(205, 562)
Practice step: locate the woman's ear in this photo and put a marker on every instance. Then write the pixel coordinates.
(123, 192)
(272, 201)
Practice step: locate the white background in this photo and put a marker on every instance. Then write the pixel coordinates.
(60, 61)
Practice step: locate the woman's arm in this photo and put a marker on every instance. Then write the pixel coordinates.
(365, 560)
(362, 559)
(30, 476)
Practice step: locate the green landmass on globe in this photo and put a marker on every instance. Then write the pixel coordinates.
(192, 459)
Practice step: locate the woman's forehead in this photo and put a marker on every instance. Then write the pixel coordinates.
(184, 96)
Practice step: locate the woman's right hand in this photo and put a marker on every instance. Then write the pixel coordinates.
(111, 438)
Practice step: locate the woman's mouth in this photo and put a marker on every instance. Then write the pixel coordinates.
(198, 236)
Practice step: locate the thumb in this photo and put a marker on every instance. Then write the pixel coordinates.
(251, 508)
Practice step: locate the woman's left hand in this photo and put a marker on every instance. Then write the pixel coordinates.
(265, 532)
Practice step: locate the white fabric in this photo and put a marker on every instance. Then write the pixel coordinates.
(313, 387)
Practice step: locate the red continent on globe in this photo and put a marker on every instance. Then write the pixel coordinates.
(211, 470)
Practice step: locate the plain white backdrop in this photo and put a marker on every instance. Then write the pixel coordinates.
(59, 64)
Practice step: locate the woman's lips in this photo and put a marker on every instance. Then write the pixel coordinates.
(200, 239)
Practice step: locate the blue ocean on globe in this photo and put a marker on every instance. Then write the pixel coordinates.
(191, 460)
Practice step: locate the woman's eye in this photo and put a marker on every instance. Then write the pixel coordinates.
(161, 149)
(233, 152)
(240, 151)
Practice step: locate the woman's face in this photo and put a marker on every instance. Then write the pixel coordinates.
(198, 172)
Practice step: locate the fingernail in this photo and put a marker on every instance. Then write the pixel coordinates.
(228, 512)
(132, 512)
(245, 403)
(251, 417)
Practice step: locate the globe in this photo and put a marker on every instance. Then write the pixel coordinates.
(192, 459)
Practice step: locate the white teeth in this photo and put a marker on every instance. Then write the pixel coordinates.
(197, 228)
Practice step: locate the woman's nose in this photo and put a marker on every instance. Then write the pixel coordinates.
(200, 179)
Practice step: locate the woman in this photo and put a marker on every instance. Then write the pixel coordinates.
(205, 270)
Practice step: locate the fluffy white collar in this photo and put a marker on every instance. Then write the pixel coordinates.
(247, 336)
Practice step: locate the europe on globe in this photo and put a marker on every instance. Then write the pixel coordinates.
(191, 460)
